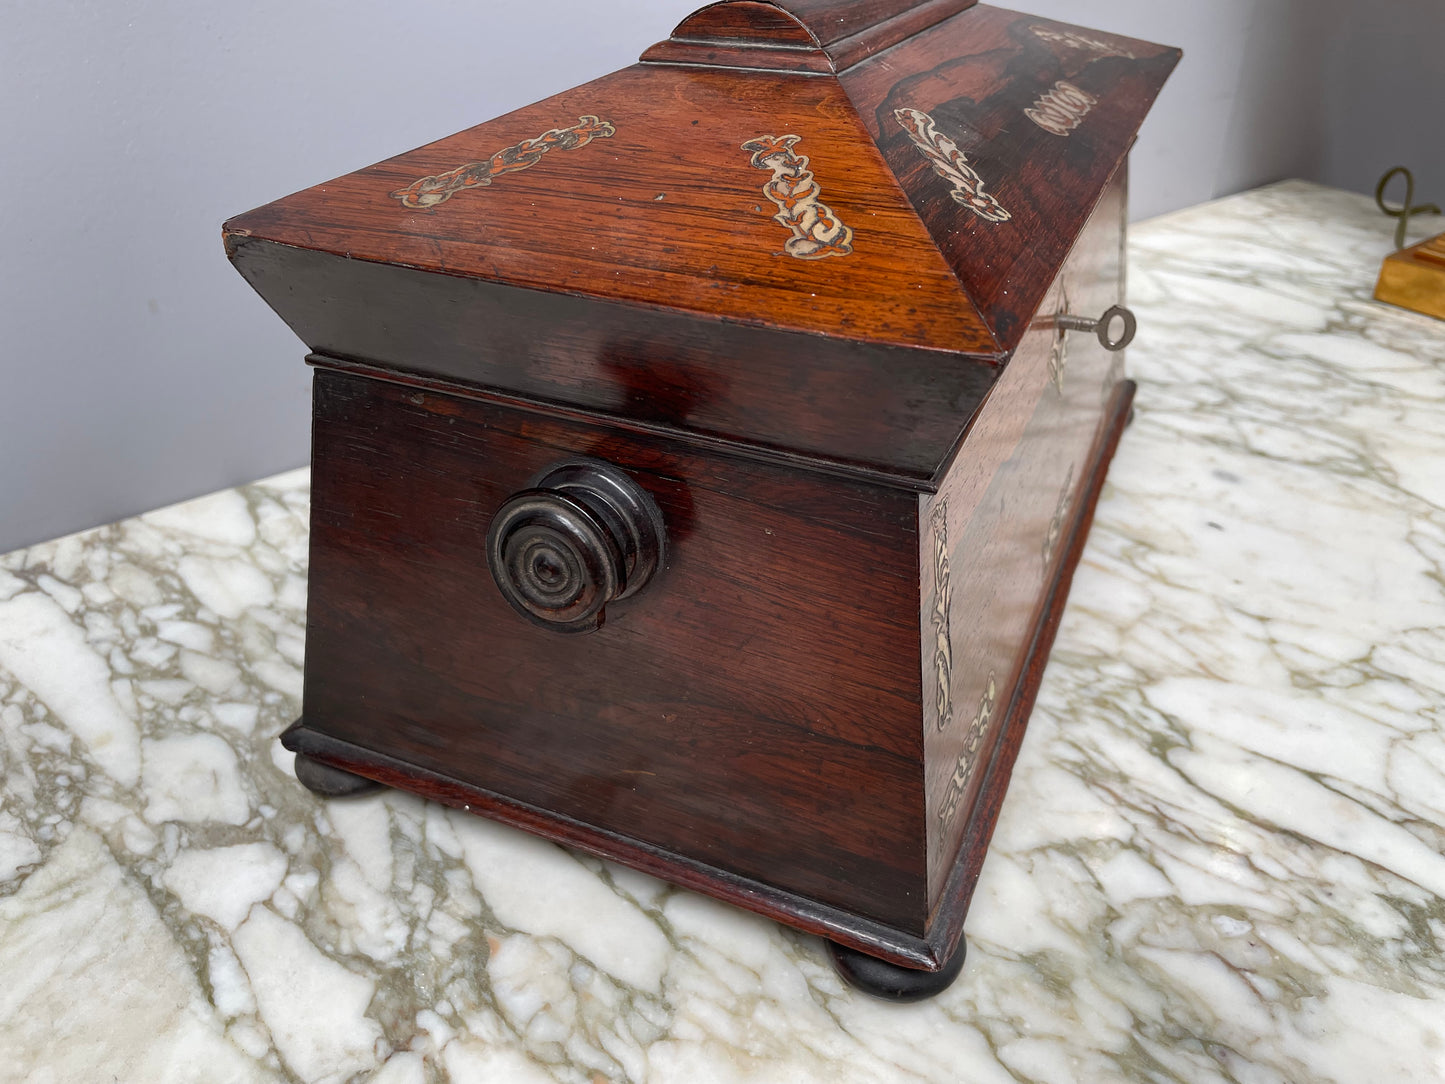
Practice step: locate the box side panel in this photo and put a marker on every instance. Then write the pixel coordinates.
(991, 538)
(754, 708)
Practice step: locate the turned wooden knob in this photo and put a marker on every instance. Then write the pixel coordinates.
(583, 534)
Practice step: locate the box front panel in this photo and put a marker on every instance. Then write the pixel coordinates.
(755, 708)
(994, 534)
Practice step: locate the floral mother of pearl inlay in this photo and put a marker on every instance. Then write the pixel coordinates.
(428, 192)
(940, 615)
(966, 764)
(817, 231)
(1073, 39)
(951, 164)
(1061, 108)
(1055, 532)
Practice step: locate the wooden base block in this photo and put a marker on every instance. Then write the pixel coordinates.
(1414, 278)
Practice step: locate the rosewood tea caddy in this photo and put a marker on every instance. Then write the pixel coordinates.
(701, 456)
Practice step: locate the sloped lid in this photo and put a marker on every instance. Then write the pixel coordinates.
(829, 177)
(646, 186)
(658, 184)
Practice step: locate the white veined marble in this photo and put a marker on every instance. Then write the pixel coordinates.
(1222, 857)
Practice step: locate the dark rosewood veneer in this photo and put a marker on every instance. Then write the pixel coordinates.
(702, 455)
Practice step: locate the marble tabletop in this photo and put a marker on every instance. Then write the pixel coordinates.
(1222, 857)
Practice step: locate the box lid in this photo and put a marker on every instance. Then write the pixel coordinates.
(812, 226)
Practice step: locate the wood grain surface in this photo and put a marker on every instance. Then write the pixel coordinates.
(853, 407)
(669, 211)
(756, 707)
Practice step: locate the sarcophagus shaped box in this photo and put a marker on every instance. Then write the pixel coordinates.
(701, 456)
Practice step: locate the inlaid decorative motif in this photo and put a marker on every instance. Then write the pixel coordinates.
(817, 231)
(1061, 513)
(1074, 40)
(950, 164)
(1058, 360)
(979, 728)
(440, 187)
(942, 599)
(1059, 350)
(1061, 109)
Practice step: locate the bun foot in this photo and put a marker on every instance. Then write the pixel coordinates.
(330, 782)
(889, 981)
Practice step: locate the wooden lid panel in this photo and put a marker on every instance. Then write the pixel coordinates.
(744, 196)
(1003, 129)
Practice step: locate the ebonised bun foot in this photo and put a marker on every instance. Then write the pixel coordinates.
(891, 982)
(331, 782)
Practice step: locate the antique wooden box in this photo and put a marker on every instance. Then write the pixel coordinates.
(702, 455)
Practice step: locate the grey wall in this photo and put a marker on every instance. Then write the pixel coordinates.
(136, 368)
(1382, 95)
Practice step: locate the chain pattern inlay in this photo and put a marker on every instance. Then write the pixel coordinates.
(942, 604)
(817, 231)
(978, 729)
(1061, 109)
(949, 163)
(427, 192)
